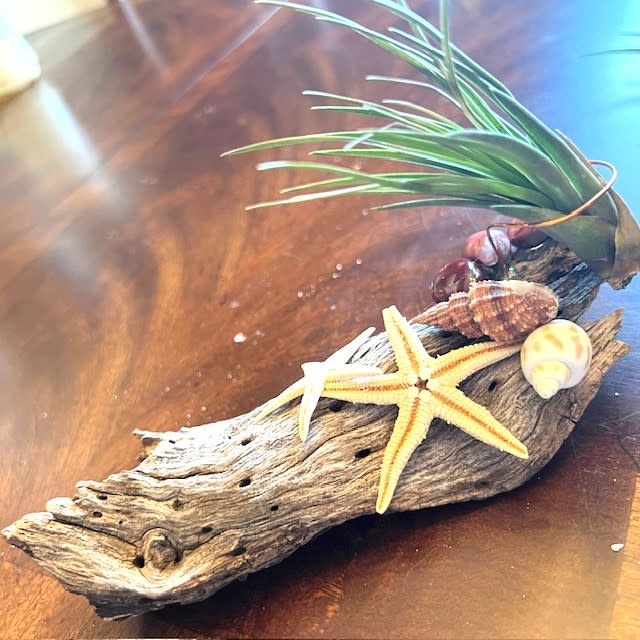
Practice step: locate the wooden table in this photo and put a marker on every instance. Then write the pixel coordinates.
(129, 265)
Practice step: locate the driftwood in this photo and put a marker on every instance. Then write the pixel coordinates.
(212, 503)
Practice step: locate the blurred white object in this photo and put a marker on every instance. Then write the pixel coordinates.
(19, 64)
(27, 16)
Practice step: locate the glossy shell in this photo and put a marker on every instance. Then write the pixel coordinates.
(478, 247)
(526, 237)
(505, 311)
(455, 277)
(555, 356)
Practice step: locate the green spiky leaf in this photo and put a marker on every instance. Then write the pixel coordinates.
(505, 159)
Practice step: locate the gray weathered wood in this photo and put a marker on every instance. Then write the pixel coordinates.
(212, 503)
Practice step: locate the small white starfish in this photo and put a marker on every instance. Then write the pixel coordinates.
(425, 388)
(318, 374)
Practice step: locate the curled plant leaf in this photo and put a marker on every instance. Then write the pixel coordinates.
(506, 160)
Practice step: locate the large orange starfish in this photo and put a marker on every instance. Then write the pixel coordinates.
(424, 388)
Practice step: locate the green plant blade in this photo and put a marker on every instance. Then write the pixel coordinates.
(531, 163)
(509, 161)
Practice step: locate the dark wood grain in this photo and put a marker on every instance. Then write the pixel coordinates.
(128, 265)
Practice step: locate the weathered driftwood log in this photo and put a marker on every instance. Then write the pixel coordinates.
(210, 504)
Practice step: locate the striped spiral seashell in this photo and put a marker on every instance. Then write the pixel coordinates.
(505, 311)
(555, 356)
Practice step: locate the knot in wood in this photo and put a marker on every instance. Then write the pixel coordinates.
(159, 550)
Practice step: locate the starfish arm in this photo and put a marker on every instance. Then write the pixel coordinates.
(408, 350)
(457, 365)
(351, 371)
(409, 430)
(344, 354)
(333, 367)
(290, 393)
(454, 407)
(314, 377)
(388, 388)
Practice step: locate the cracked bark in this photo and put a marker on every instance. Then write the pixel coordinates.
(212, 503)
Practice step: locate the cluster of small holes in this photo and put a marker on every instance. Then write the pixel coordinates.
(245, 482)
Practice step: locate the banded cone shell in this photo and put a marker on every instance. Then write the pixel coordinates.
(505, 311)
(453, 315)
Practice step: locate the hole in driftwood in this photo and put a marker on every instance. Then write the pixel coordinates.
(482, 484)
(245, 482)
(336, 405)
(363, 453)
(245, 442)
(138, 561)
(102, 497)
(178, 504)
(274, 507)
(492, 386)
(238, 551)
(120, 522)
(171, 441)
(206, 529)
(97, 514)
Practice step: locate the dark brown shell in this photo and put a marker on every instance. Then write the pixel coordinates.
(503, 310)
(455, 277)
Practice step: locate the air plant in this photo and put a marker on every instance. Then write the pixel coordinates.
(504, 159)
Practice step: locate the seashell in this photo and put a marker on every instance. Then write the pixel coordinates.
(478, 247)
(555, 356)
(454, 277)
(525, 237)
(505, 311)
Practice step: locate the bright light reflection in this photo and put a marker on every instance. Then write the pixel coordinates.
(144, 40)
(40, 128)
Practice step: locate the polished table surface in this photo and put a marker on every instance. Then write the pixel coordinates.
(128, 265)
